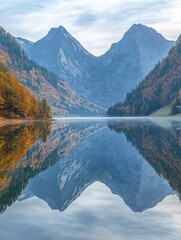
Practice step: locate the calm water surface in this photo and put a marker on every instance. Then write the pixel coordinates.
(91, 179)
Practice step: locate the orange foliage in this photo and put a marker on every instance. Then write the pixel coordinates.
(14, 143)
(16, 101)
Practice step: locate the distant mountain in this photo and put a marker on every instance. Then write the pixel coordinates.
(63, 100)
(133, 57)
(107, 79)
(25, 44)
(160, 88)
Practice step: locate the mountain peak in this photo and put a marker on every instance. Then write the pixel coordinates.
(61, 28)
(61, 31)
(137, 29)
(138, 26)
(58, 29)
(143, 35)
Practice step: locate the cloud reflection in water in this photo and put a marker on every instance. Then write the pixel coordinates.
(92, 216)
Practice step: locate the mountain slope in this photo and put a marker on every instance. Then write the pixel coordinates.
(63, 55)
(105, 79)
(160, 88)
(133, 57)
(61, 97)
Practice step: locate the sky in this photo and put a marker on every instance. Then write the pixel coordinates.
(96, 24)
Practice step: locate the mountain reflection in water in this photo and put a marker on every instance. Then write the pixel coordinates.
(138, 161)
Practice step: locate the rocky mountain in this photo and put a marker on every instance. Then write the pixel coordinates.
(63, 100)
(160, 88)
(62, 54)
(114, 162)
(133, 57)
(107, 79)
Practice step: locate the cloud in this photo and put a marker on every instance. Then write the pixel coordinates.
(96, 24)
(86, 19)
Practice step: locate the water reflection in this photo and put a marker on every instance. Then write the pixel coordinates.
(106, 157)
(57, 162)
(30, 148)
(159, 145)
(17, 164)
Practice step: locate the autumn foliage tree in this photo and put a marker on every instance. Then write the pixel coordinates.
(16, 101)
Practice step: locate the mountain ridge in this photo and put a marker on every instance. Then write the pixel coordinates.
(106, 79)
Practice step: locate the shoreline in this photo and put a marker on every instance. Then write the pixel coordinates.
(6, 122)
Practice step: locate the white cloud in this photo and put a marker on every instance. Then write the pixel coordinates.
(96, 24)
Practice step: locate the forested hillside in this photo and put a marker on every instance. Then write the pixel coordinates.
(160, 88)
(16, 101)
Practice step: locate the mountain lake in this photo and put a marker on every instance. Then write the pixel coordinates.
(91, 178)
